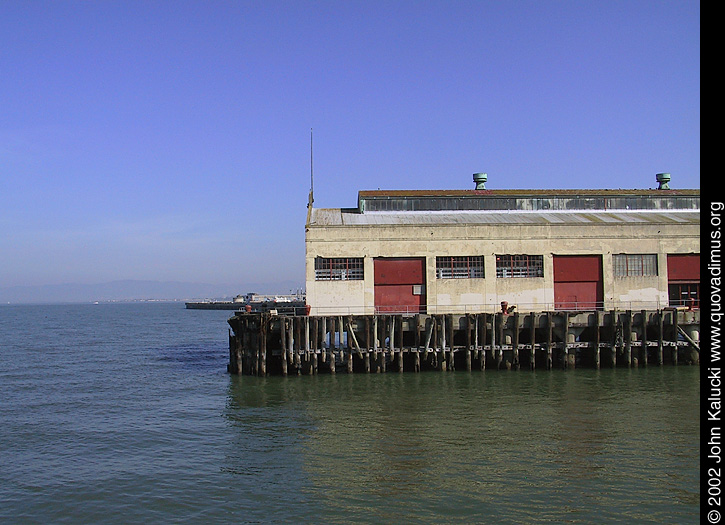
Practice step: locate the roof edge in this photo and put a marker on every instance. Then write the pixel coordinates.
(521, 193)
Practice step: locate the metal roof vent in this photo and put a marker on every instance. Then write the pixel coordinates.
(480, 180)
(664, 180)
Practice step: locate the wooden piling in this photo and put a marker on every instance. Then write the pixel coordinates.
(375, 342)
(597, 340)
(565, 364)
(643, 338)
(675, 333)
(262, 343)
(515, 363)
(628, 338)
(549, 340)
(660, 337)
(263, 346)
(331, 345)
(614, 326)
(532, 341)
(500, 319)
(483, 323)
(451, 362)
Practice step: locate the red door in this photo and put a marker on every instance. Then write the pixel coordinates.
(578, 282)
(683, 279)
(400, 284)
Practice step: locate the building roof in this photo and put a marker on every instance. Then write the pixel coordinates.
(530, 192)
(598, 206)
(347, 217)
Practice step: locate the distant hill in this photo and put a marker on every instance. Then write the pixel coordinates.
(131, 290)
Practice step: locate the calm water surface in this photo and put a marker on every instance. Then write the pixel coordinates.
(124, 413)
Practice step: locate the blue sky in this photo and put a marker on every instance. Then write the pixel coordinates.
(170, 140)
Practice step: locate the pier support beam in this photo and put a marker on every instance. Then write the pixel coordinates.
(515, 363)
(643, 338)
(615, 336)
(660, 337)
(597, 339)
(532, 341)
(549, 340)
(262, 343)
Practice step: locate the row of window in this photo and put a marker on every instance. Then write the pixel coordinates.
(471, 267)
(625, 265)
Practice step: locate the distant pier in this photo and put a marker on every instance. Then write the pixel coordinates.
(269, 343)
(214, 305)
(253, 302)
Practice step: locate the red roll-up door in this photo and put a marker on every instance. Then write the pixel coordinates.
(578, 282)
(683, 267)
(400, 284)
(683, 279)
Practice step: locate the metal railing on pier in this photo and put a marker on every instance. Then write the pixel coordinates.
(509, 307)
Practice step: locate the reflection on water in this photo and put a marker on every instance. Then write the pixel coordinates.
(583, 446)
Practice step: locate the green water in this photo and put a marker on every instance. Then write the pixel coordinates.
(124, 413)
(579, 446)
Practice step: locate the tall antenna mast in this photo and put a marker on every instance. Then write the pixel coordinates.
(312, 179)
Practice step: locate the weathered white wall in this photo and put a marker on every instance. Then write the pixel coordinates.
(370, 241)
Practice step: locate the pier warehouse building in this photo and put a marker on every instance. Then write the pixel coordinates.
(482, 250)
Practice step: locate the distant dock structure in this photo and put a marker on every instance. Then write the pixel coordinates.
(254, 302)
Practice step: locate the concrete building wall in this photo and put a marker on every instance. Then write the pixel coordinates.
(529, 294)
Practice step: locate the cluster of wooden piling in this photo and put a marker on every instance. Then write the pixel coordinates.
(264, 343)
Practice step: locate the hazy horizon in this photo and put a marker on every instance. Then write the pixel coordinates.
(132, 290)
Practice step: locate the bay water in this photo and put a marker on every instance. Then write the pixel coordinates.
(124, 413)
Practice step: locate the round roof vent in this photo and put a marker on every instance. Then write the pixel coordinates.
(480, 180)
(664, 181)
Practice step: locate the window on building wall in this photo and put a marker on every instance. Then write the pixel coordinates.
(460, 267)
(339, 269)
(519, 266)
(635, 265)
